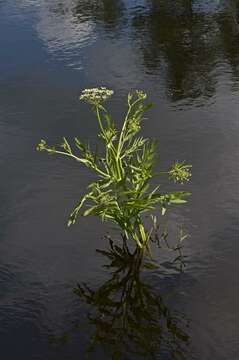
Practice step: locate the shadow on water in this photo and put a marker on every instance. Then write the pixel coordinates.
(130, 319)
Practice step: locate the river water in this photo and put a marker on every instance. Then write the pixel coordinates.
(185, 55)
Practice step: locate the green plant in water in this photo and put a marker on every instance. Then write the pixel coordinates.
(123, 191)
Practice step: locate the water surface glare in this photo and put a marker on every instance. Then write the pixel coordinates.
(185, 55)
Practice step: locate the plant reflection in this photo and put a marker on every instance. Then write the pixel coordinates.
(129, 317)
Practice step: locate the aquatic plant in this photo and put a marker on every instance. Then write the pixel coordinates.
(123, 191)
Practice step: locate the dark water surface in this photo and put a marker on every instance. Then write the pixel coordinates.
(185, 55)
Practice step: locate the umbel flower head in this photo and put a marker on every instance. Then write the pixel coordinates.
(180, 172)
(96, 96)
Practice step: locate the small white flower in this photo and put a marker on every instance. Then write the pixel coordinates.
(96, 96)
(141, 94)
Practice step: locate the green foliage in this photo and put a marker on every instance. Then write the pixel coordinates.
(122, 192)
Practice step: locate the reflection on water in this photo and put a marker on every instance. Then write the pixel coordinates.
(67, 27)
(181, 43)
(184, 41)
(128, 316)
(185, 55)
(108, 13)
(63, 31)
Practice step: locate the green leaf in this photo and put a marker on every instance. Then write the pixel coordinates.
(178, 201)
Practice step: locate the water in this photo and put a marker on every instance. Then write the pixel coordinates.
(185, 55)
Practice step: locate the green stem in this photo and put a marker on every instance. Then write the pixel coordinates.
(99, 120)
(161, 173)
(121, 142)
(81, 160)
(109, 145)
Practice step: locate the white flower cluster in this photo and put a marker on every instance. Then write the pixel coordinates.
(96, 96)
(141, 94)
